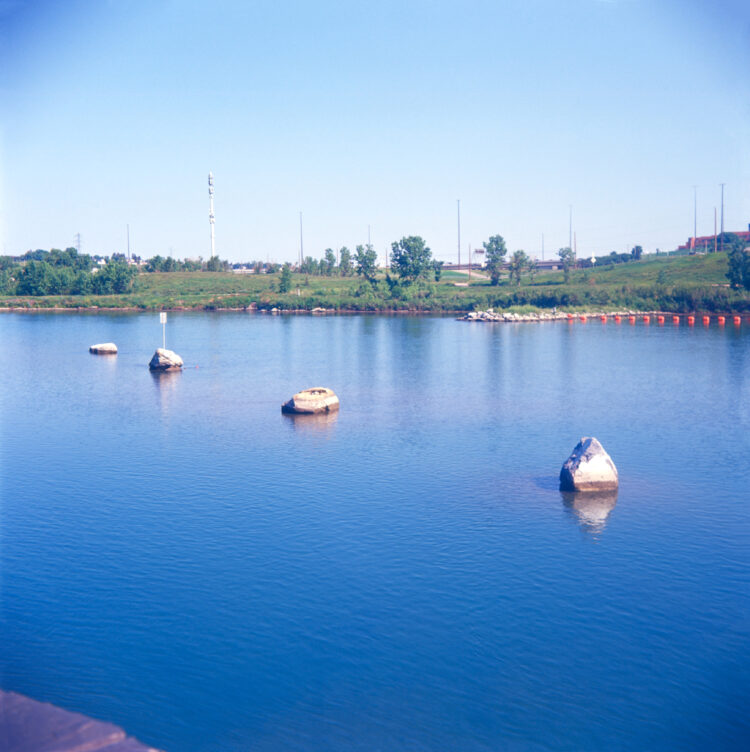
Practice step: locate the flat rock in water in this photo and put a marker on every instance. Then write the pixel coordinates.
(105, 348)
(589, 468)
(30, 726)
(311, 401)
(165, 360)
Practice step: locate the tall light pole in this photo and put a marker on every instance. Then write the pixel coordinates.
(458, 219)
(301, 245)
(211, 211)
(570, 227)
(695, 215)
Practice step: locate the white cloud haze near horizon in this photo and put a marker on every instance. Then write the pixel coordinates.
(363, 114)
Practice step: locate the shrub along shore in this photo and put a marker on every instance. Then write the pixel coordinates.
(665, 284)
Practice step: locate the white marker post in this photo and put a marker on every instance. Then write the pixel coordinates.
(163, 322)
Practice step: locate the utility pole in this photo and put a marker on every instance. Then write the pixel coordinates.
(301, 246)
(458, 218)
(570, 227)
(722, 215)
(211, 211)
(714, 229)
(695, 214)
(78, 242)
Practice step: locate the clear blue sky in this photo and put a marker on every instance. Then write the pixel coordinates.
(379, 114)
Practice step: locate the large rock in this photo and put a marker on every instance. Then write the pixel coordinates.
(30, 726)
(165, 360)
(310, 401)
(589, 468)
(105, 348)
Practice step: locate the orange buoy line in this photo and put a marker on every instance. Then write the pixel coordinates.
(737, 320)
(721, 320)
(691, 320)
(583, 319)
(631, 319)
(660, 319)
(675, 320)
(706, 320)
(618, 318)
(647, 319)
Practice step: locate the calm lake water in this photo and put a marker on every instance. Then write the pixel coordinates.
(180, 558)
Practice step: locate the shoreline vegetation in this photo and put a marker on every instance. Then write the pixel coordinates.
(652, 284)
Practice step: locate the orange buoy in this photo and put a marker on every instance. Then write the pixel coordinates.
(618, 319)
(660, 319)
(691, 320)
(583, 319)
(706, 320)
(631, 319)
(647, 319)
(675, 319)
(721, 320)
(603, 319)
(737, 320)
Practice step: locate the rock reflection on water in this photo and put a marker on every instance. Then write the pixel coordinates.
(591, 509)
(165, 383)
(318, 423)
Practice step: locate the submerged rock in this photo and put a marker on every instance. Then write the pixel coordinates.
(165, 360)
(105, 348)
(589, 468)
(318, 399)
(27, 725)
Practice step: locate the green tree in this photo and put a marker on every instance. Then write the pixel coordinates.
(437, 268)
(114, 277)
(155, 264)
(345, 262)
(309, 266)
(637, 252)
(568, 259)
(495, 251)
(329, 263)
(366, 259)
(214, 264)
(738, 259)
(35, 278)
(410, 258)
(285, 283)
(519, 262)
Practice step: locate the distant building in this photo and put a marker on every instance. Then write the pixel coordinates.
(707, 241)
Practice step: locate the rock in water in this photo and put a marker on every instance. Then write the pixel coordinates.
(105, 348)
(310, 401)
(589, 468)
(165, 360)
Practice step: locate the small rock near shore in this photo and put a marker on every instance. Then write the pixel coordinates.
(165, 360)
(104, 348)
(318, 399)
(589, 468)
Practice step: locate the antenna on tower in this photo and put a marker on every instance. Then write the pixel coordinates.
(211, 211)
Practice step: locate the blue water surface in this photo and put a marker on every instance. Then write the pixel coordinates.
(178, 557)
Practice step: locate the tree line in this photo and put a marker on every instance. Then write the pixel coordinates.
(57, 272)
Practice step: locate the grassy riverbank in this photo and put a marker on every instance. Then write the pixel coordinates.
(679, 284)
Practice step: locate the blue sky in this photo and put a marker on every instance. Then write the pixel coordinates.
(380, 114)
